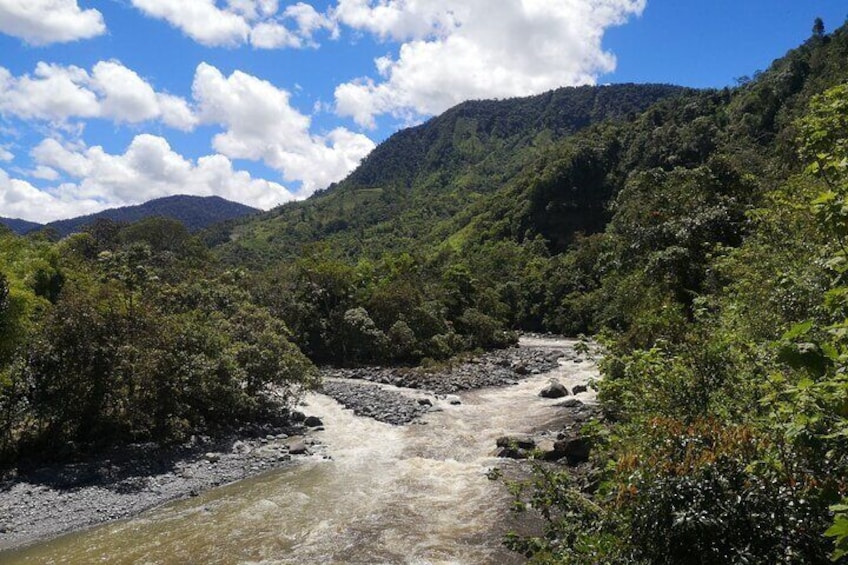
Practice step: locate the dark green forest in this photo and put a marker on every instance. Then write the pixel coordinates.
(699, 235)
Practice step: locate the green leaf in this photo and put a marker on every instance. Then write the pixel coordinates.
(798, 330)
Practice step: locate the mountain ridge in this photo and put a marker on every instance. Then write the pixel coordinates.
(195, 212)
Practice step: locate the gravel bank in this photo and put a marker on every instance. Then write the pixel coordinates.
(45, 502)
(495, 368)
(373, 401)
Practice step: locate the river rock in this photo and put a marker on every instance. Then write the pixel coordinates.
(575, 450)
(570, 403)
(453, 400)
(240, 448)
(298, 448)
(425, 402)
(212, 457)
(579, 388)
(554, 390)
(312, 422)
(520, 441)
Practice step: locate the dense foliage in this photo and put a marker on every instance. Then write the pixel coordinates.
(130, 334)
(719, 290)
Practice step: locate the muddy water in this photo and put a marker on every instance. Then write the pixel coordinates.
(413, 494)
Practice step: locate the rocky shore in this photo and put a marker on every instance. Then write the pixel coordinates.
(495, 368)
(44, 502)
(374, 401)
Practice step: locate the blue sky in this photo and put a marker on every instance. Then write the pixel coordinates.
(113, 102)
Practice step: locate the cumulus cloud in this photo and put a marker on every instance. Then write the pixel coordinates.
(261, 124)
(460, 50)
(239, 22)
(58, 93)
(148, 169)
(41, 22)
(20, 199)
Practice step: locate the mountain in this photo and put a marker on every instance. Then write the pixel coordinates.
(195, 212)
(424, 175)
(19, 226)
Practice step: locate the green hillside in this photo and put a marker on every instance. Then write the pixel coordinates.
(429, 173)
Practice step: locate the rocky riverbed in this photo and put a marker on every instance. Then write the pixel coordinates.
(46, 501)
(375, 401)
(495, 368)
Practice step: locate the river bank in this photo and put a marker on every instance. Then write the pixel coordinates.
(48, 502)
(43, 502)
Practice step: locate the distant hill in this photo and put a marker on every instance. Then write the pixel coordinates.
(195, 212)
(19, 226)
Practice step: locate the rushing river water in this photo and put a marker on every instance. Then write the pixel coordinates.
(411, 494)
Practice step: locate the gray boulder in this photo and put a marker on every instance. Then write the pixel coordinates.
(312, 422)
(554, 390)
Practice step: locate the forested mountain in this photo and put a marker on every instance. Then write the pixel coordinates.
(19, 226)
(194, 212)
(699, 234)
(426, 174)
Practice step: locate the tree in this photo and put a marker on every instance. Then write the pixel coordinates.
(818, 28)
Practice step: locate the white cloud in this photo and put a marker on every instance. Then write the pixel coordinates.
(45, 173)
(20, 199)
(239, 22)
(309, 21)
(470, 49)
(58, 93)
(41, 22)
(261, 124)
(400, 19)
(148, 169)
(201, 20)
(53, 93)
(6, 155)
(271, 35)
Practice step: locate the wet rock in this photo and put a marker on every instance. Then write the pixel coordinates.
(425, 402)
(579, 388)
(298, 448)
(570, 403)
(512, 453)
(312, 422)
(519, 441)
(212, 457)
(297, 416)
(554, 390)
(453, 400)
(575, 450)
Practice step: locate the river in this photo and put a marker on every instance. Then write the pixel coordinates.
(389, 494)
